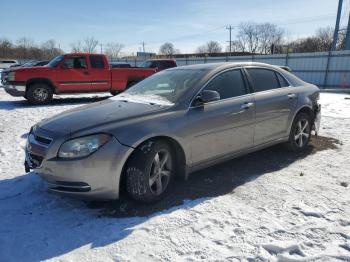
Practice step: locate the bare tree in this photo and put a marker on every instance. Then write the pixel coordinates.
(89, 45)
(258, 38)
(6, 48)
(236, 46)
(77, 47)
(269, 35)
(248, 35)
(167, 49)
(113, 49)
(24, 44)
(320, 42)
(25, 48)
(49, 49)
(325, 37)
(209, 48)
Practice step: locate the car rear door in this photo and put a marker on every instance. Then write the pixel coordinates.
(274, 104)
(225, 126)
(99, 73)
(73, 75)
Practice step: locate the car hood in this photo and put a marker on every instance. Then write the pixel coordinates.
(96, 115)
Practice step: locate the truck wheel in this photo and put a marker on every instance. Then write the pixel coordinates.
(300, 133)
(150, 171)
(39, 93)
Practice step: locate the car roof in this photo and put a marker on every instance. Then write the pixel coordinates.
(213, 67)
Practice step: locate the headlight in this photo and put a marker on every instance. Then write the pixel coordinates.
(82, 146)
(11, 76)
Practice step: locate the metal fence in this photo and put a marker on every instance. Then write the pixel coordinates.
(324, 69)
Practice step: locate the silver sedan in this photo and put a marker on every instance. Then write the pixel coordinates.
(171, 124)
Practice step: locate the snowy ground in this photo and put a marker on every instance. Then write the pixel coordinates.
(297, 210)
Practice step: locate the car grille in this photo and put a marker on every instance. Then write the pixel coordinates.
(43, 140)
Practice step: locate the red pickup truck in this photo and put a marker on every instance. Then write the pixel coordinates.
(77, 73)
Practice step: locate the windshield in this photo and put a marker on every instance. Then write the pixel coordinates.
(165, 87)
(54, 62)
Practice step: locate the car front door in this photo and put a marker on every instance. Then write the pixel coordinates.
(274, 104)
(73, 74)
(225, 126)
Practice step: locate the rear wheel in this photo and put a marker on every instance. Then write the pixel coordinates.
(300, 133)
(39, 93)
(150, 171)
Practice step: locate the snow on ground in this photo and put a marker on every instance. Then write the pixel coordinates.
(274, 215)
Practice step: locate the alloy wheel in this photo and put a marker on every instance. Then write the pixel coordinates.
(160, 172)
(40, 94)
(302, 132)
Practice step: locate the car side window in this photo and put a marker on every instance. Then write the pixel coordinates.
(282, 81)
(75, 62)
(228, 84)
(97, 62)
(263, 79)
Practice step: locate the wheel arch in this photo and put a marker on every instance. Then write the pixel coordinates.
(180, 157)
(303, 109)
(41, 80)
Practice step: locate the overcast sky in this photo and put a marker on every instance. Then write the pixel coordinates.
(186, 23)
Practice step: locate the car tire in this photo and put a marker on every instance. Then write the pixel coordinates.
(150, 171)
(39, 93)
(300, 133)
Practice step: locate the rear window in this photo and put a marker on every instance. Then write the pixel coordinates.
(97, 61)
(263, 79)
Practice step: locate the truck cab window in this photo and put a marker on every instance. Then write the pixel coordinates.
(75, 62)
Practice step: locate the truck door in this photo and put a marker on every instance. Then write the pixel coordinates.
(99, 73)
(74, 75)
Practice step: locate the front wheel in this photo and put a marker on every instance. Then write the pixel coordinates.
(39, 93)
(300, 133)
(150, 171)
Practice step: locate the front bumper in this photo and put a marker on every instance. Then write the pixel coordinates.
(95, 177)
(15, 90)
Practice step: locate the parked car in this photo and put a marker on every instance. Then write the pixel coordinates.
(6, 63)
(72, 73)
(119, 65)
(32, 63)
(171, 124)
(160, 64)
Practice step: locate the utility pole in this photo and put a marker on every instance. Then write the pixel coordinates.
(143, 46)
(347, 39)
(143, 49)
(230, 42)
(101, 47)
(336, 30)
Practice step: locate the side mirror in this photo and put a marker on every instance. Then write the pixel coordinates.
(206, 96)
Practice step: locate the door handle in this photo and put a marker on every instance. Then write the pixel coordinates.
(247, 105)
(291, 95)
